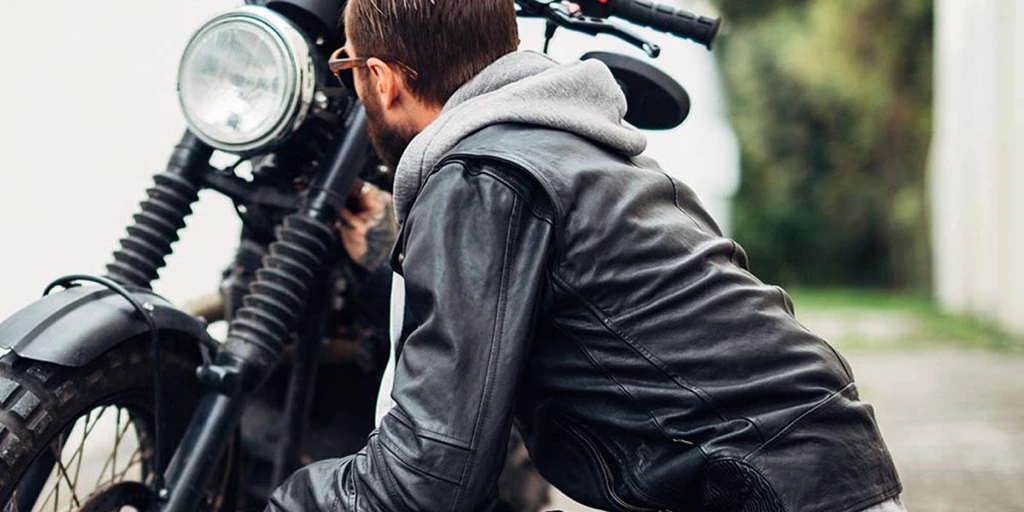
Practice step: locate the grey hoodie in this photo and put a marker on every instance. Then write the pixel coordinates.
(527, 88)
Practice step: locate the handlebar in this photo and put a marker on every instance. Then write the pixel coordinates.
(590, 17)
(665, 18)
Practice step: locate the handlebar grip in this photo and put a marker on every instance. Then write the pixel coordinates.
(665, 18)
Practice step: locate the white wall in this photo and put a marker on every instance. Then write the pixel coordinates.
(88, 113)
(977, 174)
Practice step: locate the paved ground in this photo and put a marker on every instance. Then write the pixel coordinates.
(953, 420)
(955, 423)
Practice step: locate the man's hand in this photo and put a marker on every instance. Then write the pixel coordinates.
(368, 226)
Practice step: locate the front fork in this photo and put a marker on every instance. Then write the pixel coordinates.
(263, 325)
(161, 216)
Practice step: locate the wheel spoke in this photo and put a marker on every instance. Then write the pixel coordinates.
(76, 458)
(50, 495)
(64, 473)
(35, 479)
(80, 452)
(67, 468)
(136, 458)
(85, 434)
(112, 458)
(117, 443)
(55, 491)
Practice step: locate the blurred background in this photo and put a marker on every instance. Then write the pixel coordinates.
(868, 154)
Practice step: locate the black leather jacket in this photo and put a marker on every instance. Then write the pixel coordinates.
(590, 298)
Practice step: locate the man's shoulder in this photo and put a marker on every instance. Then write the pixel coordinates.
(535, 148)
(475, 170)
(557, 162)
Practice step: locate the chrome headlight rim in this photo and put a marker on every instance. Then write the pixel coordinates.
(300, 85)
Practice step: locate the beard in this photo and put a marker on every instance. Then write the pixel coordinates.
(390, 141)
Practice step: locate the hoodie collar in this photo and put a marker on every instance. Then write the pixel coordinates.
(525, 88)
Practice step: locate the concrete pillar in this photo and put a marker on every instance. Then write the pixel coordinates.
(1011, 311)
(977, 161)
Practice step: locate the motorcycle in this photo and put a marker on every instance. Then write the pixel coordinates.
(171, 419)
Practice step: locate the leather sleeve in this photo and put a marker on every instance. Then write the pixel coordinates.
(474, 263)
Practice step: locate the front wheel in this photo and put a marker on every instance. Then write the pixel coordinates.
(82, 438)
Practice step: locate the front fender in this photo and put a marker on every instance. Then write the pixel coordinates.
(75, 326)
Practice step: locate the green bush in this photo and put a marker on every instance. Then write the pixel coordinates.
(831, 100)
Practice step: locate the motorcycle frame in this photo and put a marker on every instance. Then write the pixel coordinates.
(242, 365)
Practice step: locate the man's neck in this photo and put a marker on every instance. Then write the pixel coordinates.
(423, 115)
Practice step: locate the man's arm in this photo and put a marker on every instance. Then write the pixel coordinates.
(475, 261)
(368, 231)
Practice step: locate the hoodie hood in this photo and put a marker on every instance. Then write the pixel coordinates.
(526, 88)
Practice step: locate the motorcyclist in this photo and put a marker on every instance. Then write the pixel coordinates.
(554, 276)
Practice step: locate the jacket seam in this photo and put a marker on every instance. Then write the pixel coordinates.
(634, 484)
(357, 482)
(675, 199)
(610, 325)
(791, 425)
(847, 371)
(402, 417)
(785, 302)
(455, 159)
(495, 347)
(389, 480)
(508, 160)
(412, 467)
(505, 181)
(612, 378)
(549, 190)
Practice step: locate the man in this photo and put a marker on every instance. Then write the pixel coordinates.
(556, 277)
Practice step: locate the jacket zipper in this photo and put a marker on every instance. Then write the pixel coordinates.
(606, 468)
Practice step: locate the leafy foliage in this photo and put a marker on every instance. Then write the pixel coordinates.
(831, 100)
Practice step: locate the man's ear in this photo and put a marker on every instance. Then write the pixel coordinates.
(386, 82)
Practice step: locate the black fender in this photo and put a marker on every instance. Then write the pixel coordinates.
(75, 326)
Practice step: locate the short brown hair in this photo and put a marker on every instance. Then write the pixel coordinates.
(446, 41)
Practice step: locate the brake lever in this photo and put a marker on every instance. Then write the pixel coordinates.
(570, 16)
(531, 8)
(652, 49)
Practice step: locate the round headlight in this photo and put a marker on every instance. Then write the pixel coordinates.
(246, 80)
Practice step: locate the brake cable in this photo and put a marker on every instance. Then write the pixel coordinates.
(145, 310)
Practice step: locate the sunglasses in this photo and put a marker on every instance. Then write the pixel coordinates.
(342, 65)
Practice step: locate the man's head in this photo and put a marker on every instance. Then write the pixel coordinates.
(418, 53)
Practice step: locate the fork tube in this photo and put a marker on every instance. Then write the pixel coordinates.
(264, 324)
(300, 395)
(200, 451)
